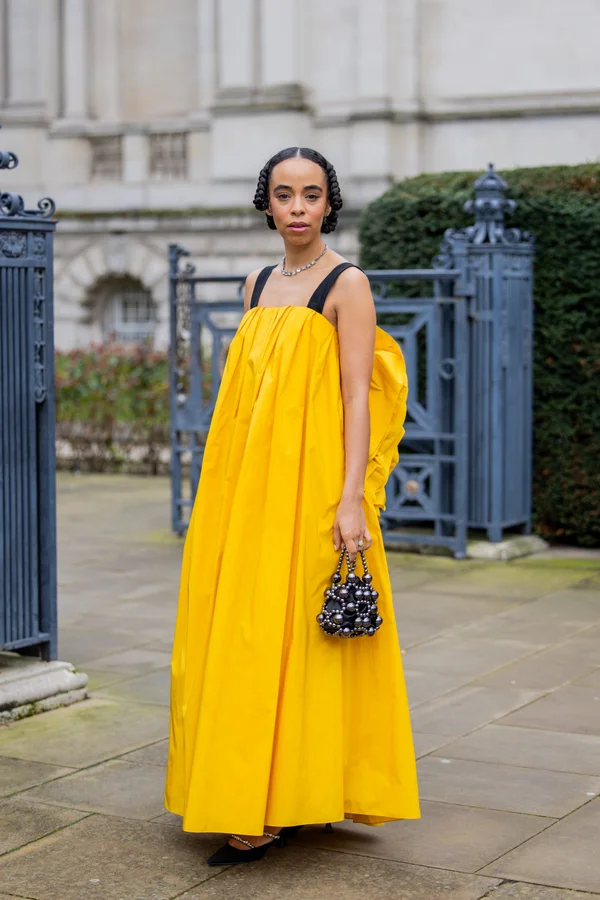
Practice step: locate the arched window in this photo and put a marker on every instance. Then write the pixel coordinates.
(124, 310)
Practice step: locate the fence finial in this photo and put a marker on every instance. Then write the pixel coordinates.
(490, 206)
(13, 204)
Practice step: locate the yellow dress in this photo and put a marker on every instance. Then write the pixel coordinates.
(272, 720)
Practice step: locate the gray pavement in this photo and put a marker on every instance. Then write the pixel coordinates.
(502, 664)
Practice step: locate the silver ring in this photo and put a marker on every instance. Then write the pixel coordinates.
(360, 543)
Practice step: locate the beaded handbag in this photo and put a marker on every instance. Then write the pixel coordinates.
(350, 608)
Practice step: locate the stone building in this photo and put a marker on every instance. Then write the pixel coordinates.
(148, 121)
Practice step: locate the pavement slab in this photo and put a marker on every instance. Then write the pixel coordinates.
(22, 822)
(460, 838)
(132, 662)
(152, 755)
(520, 891)
(566, 855)
(427, 743)
(14, 897)
(105, 858)
(420, 619)
(404, 576)
(154, 687)
(467, 655)
(85, 733)
(143, 629)
(548, 620)
(98, 678)
(302, 873)
(529, 748)
(426, 685)
(508, 581)
(20, 774)
(79, 645)
(552, 667)
(468, 708)
(572, 708)
(493, 786)
(116, 788)
(592, 678)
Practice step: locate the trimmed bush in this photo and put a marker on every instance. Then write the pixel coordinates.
(560, 206)
(112, 407)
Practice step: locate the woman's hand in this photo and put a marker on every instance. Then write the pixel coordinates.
(350, 527)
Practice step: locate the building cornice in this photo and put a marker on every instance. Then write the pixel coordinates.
(200, 219)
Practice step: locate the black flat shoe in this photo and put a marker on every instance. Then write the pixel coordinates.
(230, 856)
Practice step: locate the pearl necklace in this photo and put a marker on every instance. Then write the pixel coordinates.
(285, 271)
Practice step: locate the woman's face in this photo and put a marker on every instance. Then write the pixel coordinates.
(298, 199)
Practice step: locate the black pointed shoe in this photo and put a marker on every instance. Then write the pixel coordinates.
(230, 856)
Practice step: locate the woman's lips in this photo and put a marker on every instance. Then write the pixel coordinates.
(298, 227)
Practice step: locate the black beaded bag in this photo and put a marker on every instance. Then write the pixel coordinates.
(350, 608)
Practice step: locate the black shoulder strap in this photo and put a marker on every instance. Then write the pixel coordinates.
(263, 276)
(317, 301)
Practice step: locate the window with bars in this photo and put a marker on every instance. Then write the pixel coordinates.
(107, 157)
(168, 156)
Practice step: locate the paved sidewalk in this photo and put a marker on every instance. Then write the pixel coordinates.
(503, 670)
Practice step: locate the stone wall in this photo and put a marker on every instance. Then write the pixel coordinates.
(134, 113)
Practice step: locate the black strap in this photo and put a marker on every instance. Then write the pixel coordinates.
(317, 301)
(261, 280)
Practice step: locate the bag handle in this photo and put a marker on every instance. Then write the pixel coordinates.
(352, 565)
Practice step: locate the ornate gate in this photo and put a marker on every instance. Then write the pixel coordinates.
(456, 335)
(27, 462)
(426, 494)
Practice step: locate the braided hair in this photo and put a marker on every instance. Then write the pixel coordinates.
(334, 196)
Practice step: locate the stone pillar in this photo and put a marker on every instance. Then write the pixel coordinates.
(406, 87)
(200, 118)
(280, 42)
(257, 99)
(135, 158)
(370, 126)
(237, 57)
(75, 61)
(24, 87)
(207, 57)
(106, 101)
(372, 62)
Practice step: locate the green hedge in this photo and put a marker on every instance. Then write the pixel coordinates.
(560, 206)
(112, 407)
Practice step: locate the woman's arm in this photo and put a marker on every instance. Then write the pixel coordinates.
(357, 321)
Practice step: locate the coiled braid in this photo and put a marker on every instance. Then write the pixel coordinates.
(334, 195)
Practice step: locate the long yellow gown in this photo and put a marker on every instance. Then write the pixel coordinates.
(272, 720)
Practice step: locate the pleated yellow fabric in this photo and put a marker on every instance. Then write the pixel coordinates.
(273, 721)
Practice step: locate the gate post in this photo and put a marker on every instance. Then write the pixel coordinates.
(498, 262)
(27, 452)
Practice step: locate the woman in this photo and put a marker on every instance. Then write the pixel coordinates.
(273, 722)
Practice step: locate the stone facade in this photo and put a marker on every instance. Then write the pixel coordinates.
(148, 120)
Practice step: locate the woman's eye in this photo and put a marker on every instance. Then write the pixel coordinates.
(312, 196)
(282, 196)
